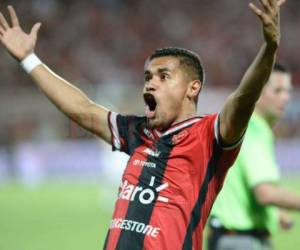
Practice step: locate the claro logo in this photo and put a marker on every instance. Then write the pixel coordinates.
(144, 195)
(151, 152)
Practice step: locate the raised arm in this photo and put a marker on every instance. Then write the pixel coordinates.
(240, 104)
(69, 99)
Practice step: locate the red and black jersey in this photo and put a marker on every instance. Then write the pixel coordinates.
(170, 182)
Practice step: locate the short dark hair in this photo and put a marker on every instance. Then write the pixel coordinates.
(281, 68)
(186, 57)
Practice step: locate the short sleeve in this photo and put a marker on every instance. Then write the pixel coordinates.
(220, 157)
(219, 139)
(258, 161)
(125, 132)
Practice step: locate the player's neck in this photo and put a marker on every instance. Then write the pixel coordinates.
(185, 115)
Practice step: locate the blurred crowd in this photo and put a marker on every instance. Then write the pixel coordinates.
(102, 45)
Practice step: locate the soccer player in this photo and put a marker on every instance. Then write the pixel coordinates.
(246, 213)
(178, 160)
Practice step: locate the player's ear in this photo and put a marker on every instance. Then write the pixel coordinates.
(194, 89)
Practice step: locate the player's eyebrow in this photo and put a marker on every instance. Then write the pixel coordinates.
(159, 70)
(162, 70)
(147, 72)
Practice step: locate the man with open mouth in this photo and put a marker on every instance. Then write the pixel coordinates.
(178, 160)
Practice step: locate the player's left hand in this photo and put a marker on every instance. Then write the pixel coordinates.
(270, 18)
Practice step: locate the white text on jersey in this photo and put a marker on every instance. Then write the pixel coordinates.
(144, 195)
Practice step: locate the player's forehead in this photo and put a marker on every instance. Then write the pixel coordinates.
(165, 63)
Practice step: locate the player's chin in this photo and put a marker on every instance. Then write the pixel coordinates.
(153, 123)
(156, 122)
(276, 116)
(159, 123)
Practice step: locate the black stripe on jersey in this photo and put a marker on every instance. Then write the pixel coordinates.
(106, 241)
(196, 213)
(142, 212)
(130, 129)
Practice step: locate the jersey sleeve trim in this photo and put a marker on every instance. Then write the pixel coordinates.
(115, 136)
(218, 136)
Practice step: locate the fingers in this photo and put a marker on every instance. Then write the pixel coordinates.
(266, 4)
(3, 22)
(13, 16)
(1, 31)
(257, 11)
(280, 2)
(270, 7)
(271, 4)
(35, 29)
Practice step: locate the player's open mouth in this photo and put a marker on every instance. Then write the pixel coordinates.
(150, 105)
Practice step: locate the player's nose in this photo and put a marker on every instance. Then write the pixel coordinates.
(151, 85)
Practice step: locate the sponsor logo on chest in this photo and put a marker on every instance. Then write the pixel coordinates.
(143, 163)
(135, 226)
(154, 153)
(145, 195)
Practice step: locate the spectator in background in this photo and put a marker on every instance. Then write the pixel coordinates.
(247, 210)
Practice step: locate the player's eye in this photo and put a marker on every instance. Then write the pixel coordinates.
(164, 76)
(147, 78)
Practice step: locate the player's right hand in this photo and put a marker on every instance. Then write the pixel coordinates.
(18, 43)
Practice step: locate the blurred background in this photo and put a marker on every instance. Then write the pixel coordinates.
(58, 183)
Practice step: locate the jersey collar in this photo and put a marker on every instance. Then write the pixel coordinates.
(177, 126)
